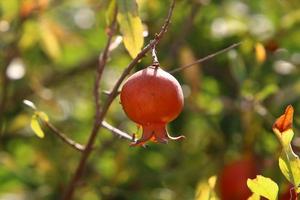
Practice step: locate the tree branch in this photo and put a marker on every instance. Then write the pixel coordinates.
(117, 131)
(101, 65)
(63, 137)
(210, 56)
(98, 121)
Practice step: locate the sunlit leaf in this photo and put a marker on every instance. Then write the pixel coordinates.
(35, 126)
(130, 26)
(260, 53)
(287, 137)
(49, 40)
(289, 165)
(9, 9)
(205, 190)
(212, 181)
(43, 116)
(264, 187)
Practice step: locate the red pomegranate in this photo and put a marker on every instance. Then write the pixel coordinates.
(152, 97)
(233, 179)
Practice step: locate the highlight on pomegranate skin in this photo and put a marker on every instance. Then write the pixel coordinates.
(152, 98)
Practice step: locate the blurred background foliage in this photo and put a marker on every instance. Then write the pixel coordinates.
(49, 52)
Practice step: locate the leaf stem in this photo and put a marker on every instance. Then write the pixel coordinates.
(155, 62)
(63, 137)
(117, 131)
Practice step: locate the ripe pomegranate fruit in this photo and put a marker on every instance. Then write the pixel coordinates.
(233, 179)
(152, 97)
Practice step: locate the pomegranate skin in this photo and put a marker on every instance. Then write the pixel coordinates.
(233, 179)
(152, 97)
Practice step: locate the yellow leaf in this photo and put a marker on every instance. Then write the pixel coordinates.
(260, 52)
(43, 116)
(205, 190)
(130, 26)
(212, 182)
(254, 197)
(35, 126)
(49, 40)
(263, 186)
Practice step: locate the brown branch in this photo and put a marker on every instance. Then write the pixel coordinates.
(117, 131)
(210, 56)
(98, 121)
(102, 62)
(63, 137)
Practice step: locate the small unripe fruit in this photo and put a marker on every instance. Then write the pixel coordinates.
(152, 98)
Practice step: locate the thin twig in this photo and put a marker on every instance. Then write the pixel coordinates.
(63, 137)
(79, 170)
(210, 56)
(117, 131)
(154, 57)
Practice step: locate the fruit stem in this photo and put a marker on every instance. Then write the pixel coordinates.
(155, 62)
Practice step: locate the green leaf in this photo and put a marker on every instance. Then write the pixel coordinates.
(9, 9)
(264, 187)
(266, 92)
(289, 165)
(286, 137)
(110, 12)
(35, 126)
(130, 26)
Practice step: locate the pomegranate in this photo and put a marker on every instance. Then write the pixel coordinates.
(233, 179)
(152, 98)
